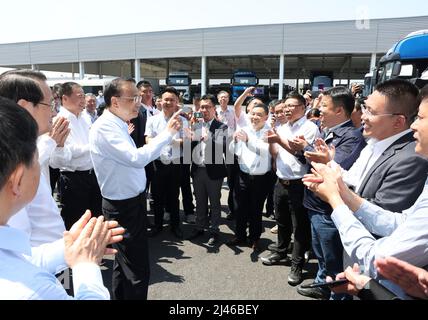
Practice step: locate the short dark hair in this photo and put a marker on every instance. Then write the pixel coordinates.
(172, 90)
(263, 106)
(223, 91)
(424, 93)
(359, 102)
(16, 87)
(67, 88)
(114, 89)
(143, 83)
(314, 112)
(298, 96)
(28, 73)
(209, 97)
(342, 97)
(18, 138)
(403, 97)
(56, 90)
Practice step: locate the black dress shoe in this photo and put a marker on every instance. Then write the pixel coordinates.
(237, 242)
(195, 233)
(316, 293)
(154, 231)
(213, 239)
(295, 276)
(230, 217)
(274, 248)
(256, 246)
(176, 231)
(274, 258)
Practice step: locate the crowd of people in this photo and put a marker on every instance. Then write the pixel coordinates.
(343, 176)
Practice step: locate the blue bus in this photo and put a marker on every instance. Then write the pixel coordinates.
(407, 59)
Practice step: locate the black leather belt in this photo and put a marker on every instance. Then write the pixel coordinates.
(91, 171)
(289, 182)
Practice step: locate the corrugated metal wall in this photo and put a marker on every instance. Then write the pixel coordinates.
(342, 37)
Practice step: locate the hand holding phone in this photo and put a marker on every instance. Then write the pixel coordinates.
(330, 284)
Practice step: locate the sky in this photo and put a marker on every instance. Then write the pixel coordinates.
(29, 20)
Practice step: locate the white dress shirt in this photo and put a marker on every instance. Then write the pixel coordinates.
(288, 166)
(201, 133)
(78, 159)
(253, 156)
(119, 165)
(243, 120)
(405, 234)
(227, 117)
(368, 157)
(150, 110)
(154, 126)
(45, 222)
(46, 146)
(28, 273)
(89, 116)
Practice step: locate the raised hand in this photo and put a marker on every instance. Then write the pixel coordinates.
(174, 124)
(413, 280)
(60, 131)
(112, 226)
(272, 136)
(324, 182)
(241, 135)
(131, 127)
(298, 143)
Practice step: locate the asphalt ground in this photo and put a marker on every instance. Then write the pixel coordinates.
(192, 270)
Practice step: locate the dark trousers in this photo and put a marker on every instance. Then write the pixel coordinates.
(207, 189)
(165, 192)
(54, 177)
(269, 198)
(250, 194)
(79, 191)
(291, 217)
(186, 190)
(131, 269)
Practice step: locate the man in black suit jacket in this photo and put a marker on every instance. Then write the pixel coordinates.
(394, 175)
(140, 127)
(336, 108)
(208, 169)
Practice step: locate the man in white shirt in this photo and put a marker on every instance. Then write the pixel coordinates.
(90, 112)
(242, 118)
(146, 92)
(167, 168)
(40, 219)
(251, 147)
(78, 185)
(226, 115)
(119, 167)
(25, 272)
(291, 215)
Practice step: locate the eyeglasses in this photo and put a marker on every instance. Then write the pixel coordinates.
(136, 99)
(369, 114)
(292, 106)
(51, 105)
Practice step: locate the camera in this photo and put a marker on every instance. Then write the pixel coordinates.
(197, 114)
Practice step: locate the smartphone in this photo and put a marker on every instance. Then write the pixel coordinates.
(197, 114)
(330, 284)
